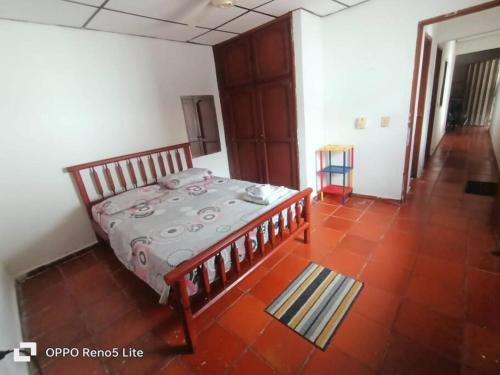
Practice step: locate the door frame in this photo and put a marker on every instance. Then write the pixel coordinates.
(432, 113)
(422, 95)
(416, 72)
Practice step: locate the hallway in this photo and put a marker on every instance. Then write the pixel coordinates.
(456, 241)
(430, 304)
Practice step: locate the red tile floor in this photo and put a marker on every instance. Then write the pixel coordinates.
(431, 302)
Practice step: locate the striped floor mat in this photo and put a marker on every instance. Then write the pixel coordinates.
(315, 303)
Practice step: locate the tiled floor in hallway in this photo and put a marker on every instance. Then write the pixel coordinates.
(430, 305)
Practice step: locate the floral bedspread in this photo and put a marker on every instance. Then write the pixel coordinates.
(152, 238)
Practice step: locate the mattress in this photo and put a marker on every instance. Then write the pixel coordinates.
(153, 238)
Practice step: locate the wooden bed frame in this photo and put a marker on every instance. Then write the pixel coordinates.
(130, 171)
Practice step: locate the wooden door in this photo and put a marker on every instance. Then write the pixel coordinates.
(245, 137)
(432, 113)
(209, 128)
(278, 133)
(421, 105)
(272, 51)
(192, 127)
(234, 63)
(201, 124)
(256, 81)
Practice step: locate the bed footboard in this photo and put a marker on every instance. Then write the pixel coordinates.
(297, 211)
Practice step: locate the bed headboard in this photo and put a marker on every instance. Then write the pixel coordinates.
(101, 179)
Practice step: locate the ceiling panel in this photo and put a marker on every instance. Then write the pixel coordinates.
(213, 37)
(250, 4)
(246, 22)
(53, 12)
(107, 20)
(96, 3)
(194, 12)
(319, 7)
(147, 17)
(352, 2)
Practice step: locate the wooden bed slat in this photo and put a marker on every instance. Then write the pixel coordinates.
(290, 222)
(204, 279)
(121, 177)
(281, 222)
(187, 155)
(221, 268)
(261, 244)
(248, 248)
(298, 213)
(152, 168)
(179, 160)
(161, 163)
(270, 230)
(235, 259)
(170, 162)
(131, 173)
(97, 182)
(109, 178)
(142, 171)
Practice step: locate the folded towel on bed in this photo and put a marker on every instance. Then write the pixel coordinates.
(260, 191)
(275, 194)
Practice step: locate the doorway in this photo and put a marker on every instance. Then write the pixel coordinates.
(408, 164)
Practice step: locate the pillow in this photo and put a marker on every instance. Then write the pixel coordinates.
(190, 176)
(129, 199)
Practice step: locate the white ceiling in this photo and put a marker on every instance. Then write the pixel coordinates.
(192, 21)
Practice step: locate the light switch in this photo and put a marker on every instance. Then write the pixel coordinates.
(360, 123)
(385, 122)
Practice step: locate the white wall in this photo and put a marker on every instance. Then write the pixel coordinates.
(369, 52)
(10, 332)
(495, 123)
(72, 96)
(309, 70)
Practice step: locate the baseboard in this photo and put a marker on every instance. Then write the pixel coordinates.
(364, 196)
(57, 261)
(398, 201)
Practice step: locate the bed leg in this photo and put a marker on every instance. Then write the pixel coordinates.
(186, 313)
(307, 235)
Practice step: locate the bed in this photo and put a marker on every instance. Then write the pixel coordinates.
(191, 245)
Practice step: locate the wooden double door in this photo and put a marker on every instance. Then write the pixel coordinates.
(255, 74)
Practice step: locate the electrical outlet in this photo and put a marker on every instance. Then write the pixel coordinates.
(360, 123)
(385, 122)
